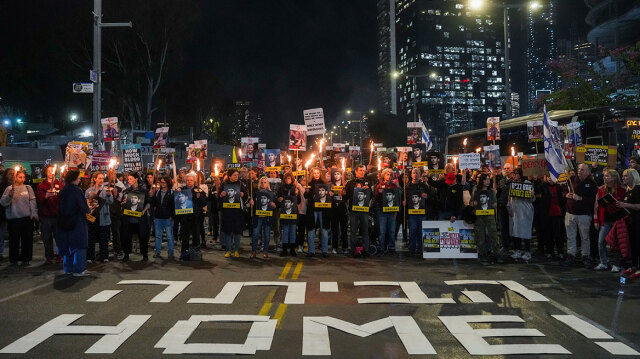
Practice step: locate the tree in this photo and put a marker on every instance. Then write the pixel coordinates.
(213, 129)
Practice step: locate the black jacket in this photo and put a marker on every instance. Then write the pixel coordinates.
(164, 209)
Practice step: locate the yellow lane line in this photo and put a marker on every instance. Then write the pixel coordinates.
(296, 272)
(266, 307)
(280, 313)
(286, 269)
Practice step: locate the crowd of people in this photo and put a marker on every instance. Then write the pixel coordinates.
(346, 211)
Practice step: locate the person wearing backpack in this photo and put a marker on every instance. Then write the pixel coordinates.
(21, 210)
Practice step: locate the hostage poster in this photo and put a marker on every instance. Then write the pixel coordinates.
(110, 130)
(131, 158)
(78, 155)
(443, 239)
(298, 137)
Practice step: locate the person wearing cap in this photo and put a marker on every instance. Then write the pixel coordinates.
(450, 198)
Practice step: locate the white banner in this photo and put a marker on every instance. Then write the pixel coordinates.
(469, 161)
(314, 119)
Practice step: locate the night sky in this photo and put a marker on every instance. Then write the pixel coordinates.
(283, 56)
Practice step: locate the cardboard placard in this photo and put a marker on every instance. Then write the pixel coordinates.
(520, 190)
(469, 161)
(443, 239)
(260, 213)
(590, 154)
(535, 167)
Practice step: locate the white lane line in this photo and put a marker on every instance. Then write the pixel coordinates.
(104, 296)
(477, 296)
(582, 327)
(330, 287)
(617, 348)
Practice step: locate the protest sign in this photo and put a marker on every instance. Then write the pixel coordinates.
(110, 131)
(78, 155)
(160, 138)
(134, 204)
(414, 133)
(361, 199)
(633, 131)
(535, 166)
(298, 137)
(469, 161)
(131, 157)
(594, 153)
(100, 160)
(144, 138)
(535, 131)
(520, 190)
(491, 156)
(493, 128)
(443, 239)
(314, 120)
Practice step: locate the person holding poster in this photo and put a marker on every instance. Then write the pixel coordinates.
(521, 217)
(232, 220)
(272, 158)
(109, 128)
(190, 222)
(414, 133)
(416, 211)
(136, 219)
(485, 203)
(100, 219)
(387, 198)
(298, 137)
(263, 205)
(358, 216)
(339, 213)
(493, 128)
(318, 212)
(288, 188)
(164, 212)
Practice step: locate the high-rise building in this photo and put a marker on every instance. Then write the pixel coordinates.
(541, 47)
(615, 22)
(246, 123)
(451, 64)
(387, 94)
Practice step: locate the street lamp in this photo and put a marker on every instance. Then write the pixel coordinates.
(533, 5)
(73, 117)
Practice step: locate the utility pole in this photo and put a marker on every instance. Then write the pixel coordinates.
(97, 64)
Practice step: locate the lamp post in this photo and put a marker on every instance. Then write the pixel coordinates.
(533, 5)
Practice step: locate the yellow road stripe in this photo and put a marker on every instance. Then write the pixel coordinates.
(280, 313)
(266, 307)
(286, 269)
(296, 272)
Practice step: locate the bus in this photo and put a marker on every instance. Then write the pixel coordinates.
(598, 126)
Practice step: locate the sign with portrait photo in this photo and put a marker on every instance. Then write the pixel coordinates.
(435, 162)
(321, 197)
(298, 137)
(354, 152)
(361, 199)
(390, 200)
(183, 201)
(443, 239)
(262, 200)
(415, 203)
(249, 146)
(78, 155)
(535, 131)
(134, 204)
(161, 137)
(337, 183)
(289, 208)
(414, 133)
(232, 198)
(272, 158)
(418, 155)
(37, 173)
(493, 128)
(491, 156)
(110, 131)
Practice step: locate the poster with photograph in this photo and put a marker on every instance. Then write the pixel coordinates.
(361, 199)
(262, 203)
(337, 183)
(167, 154)
(388, 157)
(134, 204)
(131, 158)
(321, 197)
(354, 152)
(161, 137)
(535, 131)
(183, 201)
(414, 133)
(435, 162)
(78, 155)
(443, 239)
(415, 203)
(573, 138)
(404, 155)
(262, 148)
(272, 158)
(418, 155)
(491, 156)
(143, 138)
(493, 128)
(37, 173)
(100, 160)
(390, 200)
(298, 137)
(484, 207)
(339, 147)
(249, 146)
(110, 131)
(202, 146)
(289, 208)
(232, 197)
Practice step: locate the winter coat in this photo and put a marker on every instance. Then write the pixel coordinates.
(618, 237)
(72, 220)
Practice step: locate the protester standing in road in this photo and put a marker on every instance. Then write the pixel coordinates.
(100, 227)
(580, 203)
(21, 209)
(47, 197)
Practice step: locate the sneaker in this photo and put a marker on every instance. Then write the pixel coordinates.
(334, 251)
(615, 269)
(157, 255)
(105, 261)
(516, 255)
(236, 254)
(526, 256)
(89, 261)
(227, 255)
(601, 267)
(265, 255)
(300, 249)
(83, 274)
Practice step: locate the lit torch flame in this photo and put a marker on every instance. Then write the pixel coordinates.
(371, 146)
(379, 164)
(215, 169)
(240, 152)
(112, 163)
(478, 150)
(289, 158)
(62, 169)
(513, 151)
(343, 165)
(55, 167)
(159, 164)
(16, 168)
(321, 148)
(198, 164)
(306, 165)
(464, 143)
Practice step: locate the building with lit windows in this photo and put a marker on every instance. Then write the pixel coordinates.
(541, 47)
(387, 94)
(450, 65)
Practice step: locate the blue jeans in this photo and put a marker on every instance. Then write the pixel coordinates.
(288, 232)
(232, 241)
(75, 260)
(415, 232)
(262, 223)
(387, 225)
(324, 235)
(602, 243)
(167, 225)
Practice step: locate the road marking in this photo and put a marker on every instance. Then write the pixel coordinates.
(296, 272)
(280, 313)
(266, 307)
(104, 296)
(285, 271)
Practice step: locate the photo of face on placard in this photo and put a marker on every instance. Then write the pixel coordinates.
(483, 200)
(183, 199)
(435, 160)
(415, 201)
(321, 193)
(337, 177)
(403, 157)
(354, 152)
(272, 158)
(361, 197)
(135, 201)
(289, 205)
(233, 193)
(249, 150)
(390, 197)
(414, 133)
(37, 171)
(418, 153)
(263, 198)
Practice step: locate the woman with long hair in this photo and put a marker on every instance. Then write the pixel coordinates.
(631, 179)
(605, 217)
(100, 220)
(20, 203)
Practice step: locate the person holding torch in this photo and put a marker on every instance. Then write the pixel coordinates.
(47, 200)
(21, 209)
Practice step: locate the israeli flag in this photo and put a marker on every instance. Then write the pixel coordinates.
(425, 135)
(552, 152)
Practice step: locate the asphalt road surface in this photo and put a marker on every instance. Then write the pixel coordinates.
(296, 307)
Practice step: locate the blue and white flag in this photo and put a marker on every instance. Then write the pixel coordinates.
(425, 135)
(552, 151)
